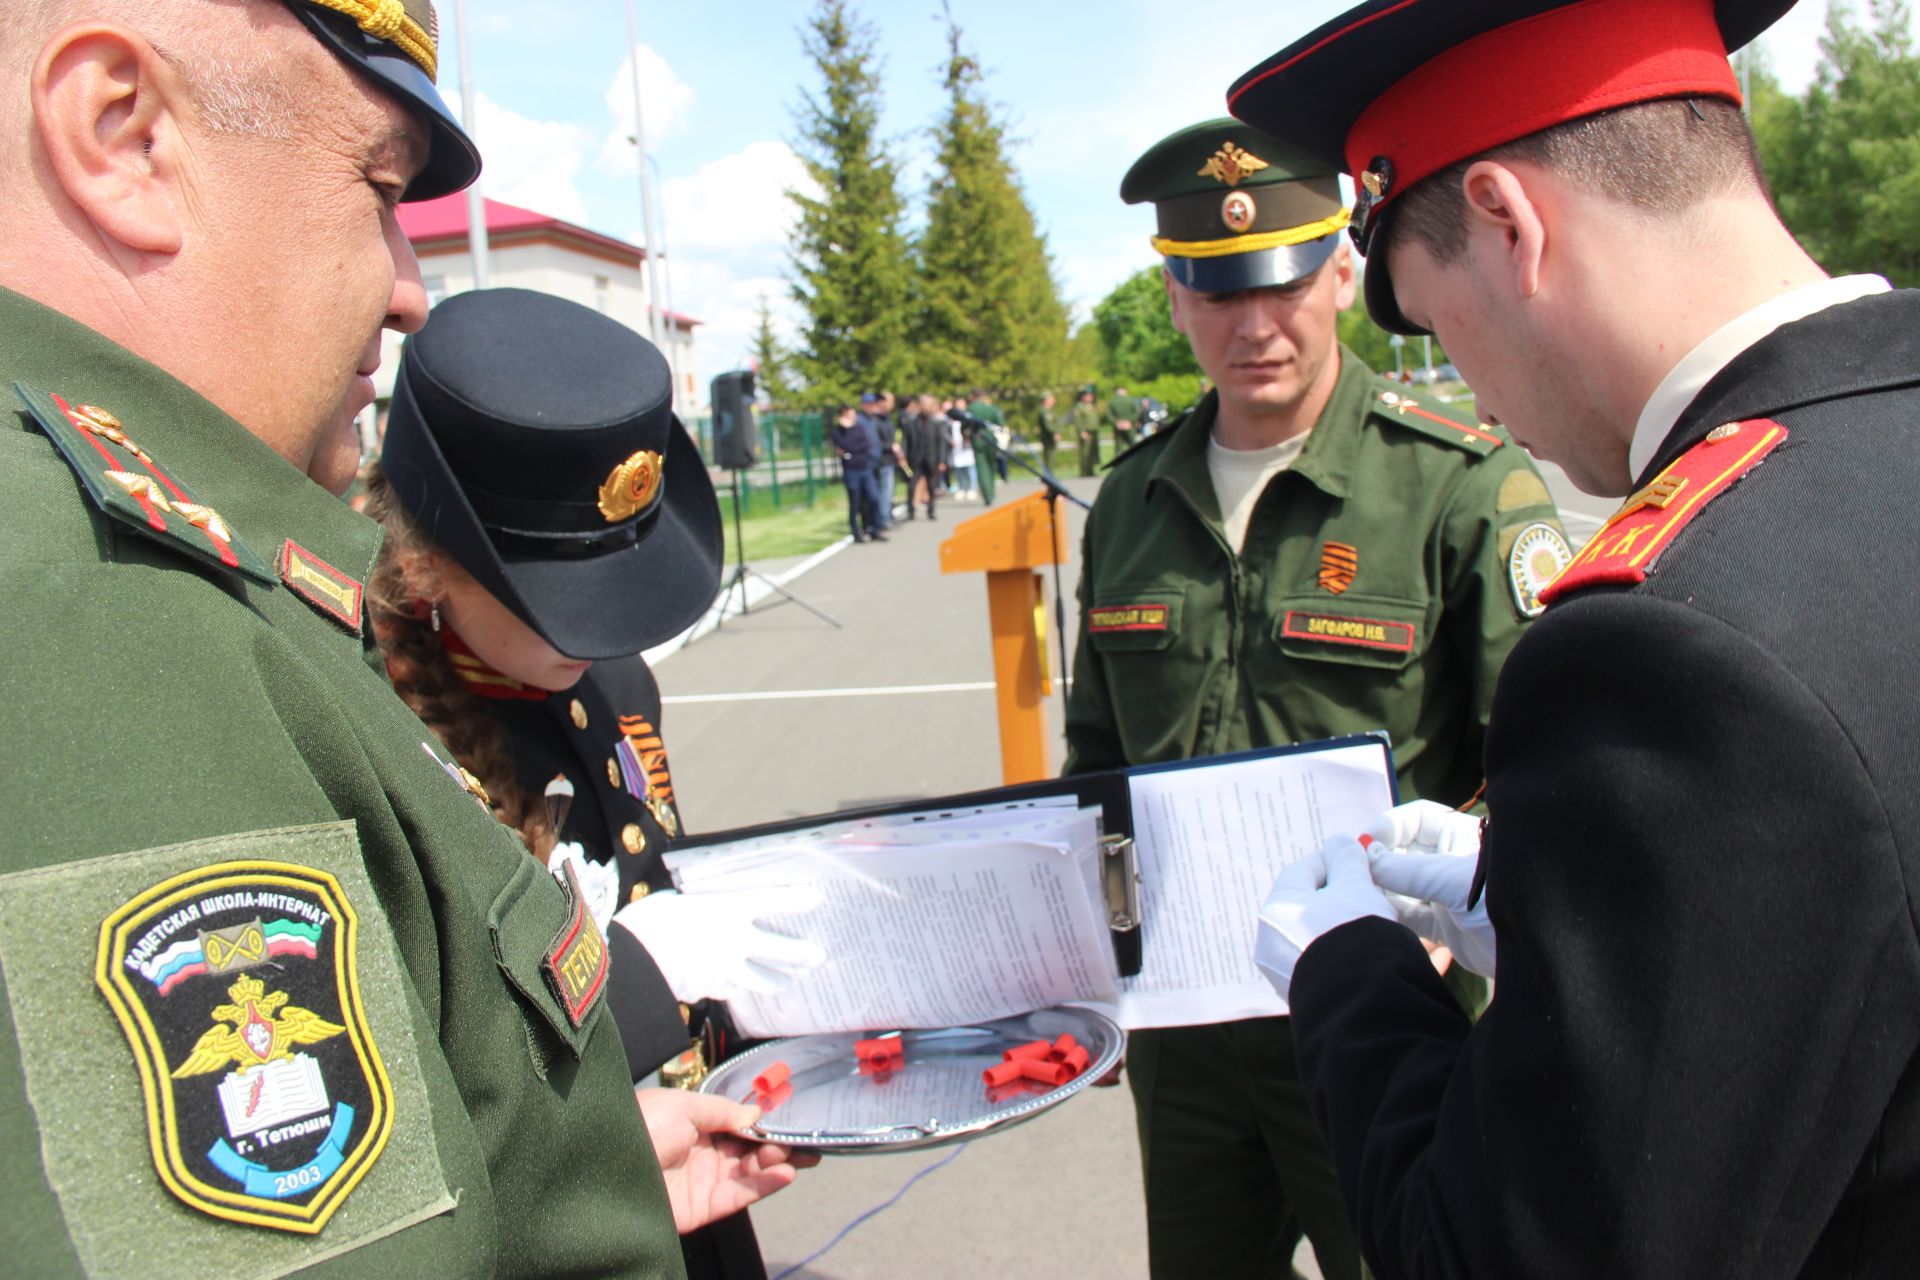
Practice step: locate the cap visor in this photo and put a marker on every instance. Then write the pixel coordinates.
(453, 162)
(1261, 269)
(620, 603)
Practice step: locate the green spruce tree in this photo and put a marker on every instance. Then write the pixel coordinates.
(851, 273)
(988, 308)
(1843, 159)
(770, 358)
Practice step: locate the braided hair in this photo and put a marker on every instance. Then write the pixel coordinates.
(404, 582)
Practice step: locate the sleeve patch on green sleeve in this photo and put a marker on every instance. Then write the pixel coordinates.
(253, 1062)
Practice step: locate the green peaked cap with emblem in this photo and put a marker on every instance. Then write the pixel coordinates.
(1236, 208)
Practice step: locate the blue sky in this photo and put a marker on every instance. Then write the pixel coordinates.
(1084, 88)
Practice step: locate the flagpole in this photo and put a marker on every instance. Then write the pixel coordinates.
(646, 189)
(476, 202)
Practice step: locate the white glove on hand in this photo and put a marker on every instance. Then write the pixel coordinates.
(710, 946)
(1425, 856)
(1320, 892)
(599, 881)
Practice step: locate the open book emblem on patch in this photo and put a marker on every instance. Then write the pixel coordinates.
(237, 987)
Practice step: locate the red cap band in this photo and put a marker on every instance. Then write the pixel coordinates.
(1539, 72)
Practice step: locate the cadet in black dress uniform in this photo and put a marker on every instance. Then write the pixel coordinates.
(548, 518)
(1703, 844)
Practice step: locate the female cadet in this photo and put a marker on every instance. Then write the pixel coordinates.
(547, 517)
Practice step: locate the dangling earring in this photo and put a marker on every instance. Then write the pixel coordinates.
(435, 616)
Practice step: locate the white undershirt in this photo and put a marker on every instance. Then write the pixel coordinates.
(1240, 476)
(1697, 368)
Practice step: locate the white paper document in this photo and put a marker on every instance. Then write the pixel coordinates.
(929, 924)
(1210, 841)
(944, 917)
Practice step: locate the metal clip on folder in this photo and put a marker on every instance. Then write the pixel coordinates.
(1121, 880)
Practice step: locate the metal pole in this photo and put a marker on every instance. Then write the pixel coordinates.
(671, 325)
(476, 202)
(646, 189)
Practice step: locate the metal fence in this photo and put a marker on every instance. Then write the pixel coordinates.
(795, 465)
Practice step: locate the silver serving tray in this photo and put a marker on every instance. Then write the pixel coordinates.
(934, 1098)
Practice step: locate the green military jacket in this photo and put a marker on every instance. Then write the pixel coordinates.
(1374, 591)
(1045, 422)
(1085, 419)
(278, 993)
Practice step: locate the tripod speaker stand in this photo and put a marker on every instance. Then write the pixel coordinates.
(742, 571)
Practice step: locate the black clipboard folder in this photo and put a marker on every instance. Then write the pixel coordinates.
(1110, 790)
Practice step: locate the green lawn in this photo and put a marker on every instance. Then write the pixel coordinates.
(793, 530)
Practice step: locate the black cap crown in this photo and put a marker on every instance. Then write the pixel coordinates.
(534, 440)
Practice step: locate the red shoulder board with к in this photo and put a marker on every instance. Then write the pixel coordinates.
(1628, 544)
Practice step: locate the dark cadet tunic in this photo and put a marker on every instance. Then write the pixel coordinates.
(1373, 591)
(371, 930)
(603, 736)
(1701, 859)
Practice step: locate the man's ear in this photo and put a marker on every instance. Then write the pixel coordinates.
(1173, 301)
(106, 107)
(1344, 287)
(1498, 202)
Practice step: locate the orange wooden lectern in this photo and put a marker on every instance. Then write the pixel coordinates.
(1008, 543)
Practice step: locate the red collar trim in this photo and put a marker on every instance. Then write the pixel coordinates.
(483, 681)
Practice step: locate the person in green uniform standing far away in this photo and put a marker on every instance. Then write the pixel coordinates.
(280, 994)
(1123, 413)
(1085, 419)
(1309, 551)
(1047, 427)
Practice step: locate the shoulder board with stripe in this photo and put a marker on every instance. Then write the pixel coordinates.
(1398, 406)
(1629, 543)
(125, 482)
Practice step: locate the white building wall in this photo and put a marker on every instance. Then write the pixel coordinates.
(615, 289)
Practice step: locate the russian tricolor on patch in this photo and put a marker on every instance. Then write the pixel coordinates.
(237, 987)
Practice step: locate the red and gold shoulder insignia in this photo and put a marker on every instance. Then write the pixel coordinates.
(1401, 407)
(326, 588)
(1629, 544)
(127, 484)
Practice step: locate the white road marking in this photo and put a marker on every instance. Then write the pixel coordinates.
(786, 695)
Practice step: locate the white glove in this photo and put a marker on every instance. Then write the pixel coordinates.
(599, 881)
(1319, 892)
(709, 945)
(1425, 856)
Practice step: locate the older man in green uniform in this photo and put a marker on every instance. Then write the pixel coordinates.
(279, 994)
(1328, 554)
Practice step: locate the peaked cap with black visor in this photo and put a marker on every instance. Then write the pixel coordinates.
(1394, 91)
(533, 440)
(396, 45)
(1236, 209)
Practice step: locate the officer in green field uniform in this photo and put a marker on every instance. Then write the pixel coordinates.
(1123, 415)
(1327, 554)
(279, 992)
(1084, 418)
(1046, 423)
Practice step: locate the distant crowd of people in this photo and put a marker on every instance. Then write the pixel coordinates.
(937, 446)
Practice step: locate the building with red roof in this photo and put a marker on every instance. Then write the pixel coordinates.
(529, 250)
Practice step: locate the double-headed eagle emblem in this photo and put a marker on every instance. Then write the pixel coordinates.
(1230, 164)
(264, 1027)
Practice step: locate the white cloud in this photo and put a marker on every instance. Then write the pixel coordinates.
(725, 231)
(531, 163)
(664, 96)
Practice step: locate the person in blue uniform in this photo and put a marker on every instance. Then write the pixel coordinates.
(1698, 875)
(547, 518)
